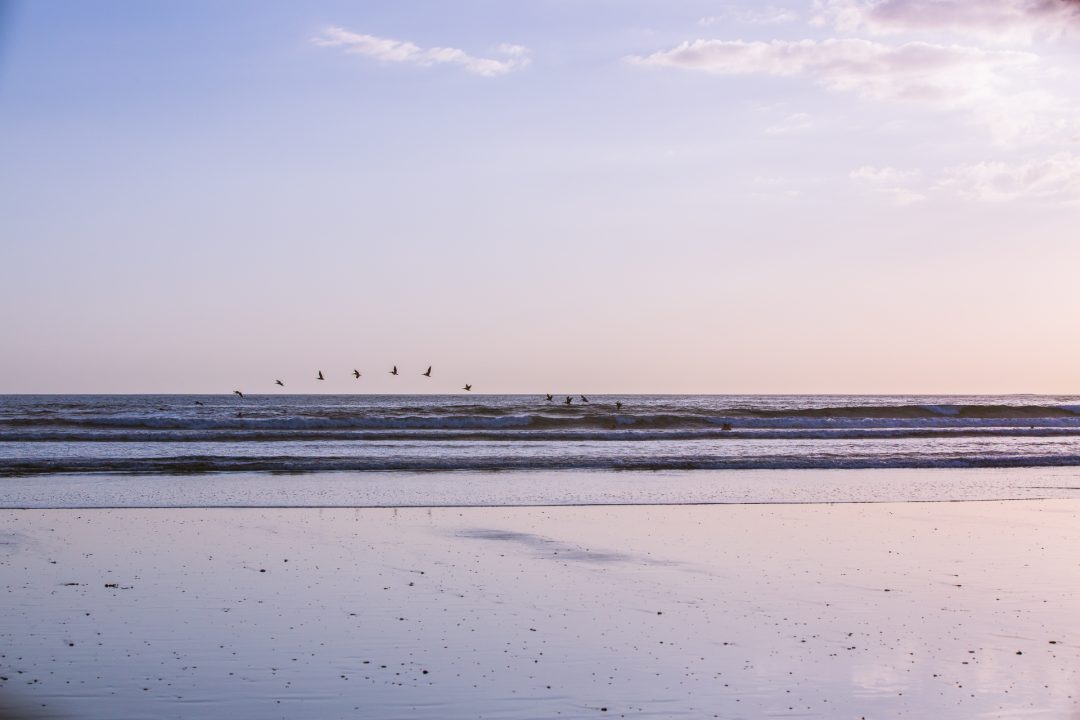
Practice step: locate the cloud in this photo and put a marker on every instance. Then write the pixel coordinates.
(511, 57)
(1055, 179)
(890, 182)
(1030, 117)
(881, 176)
(796, 122)
(761, 16)
(915, 71)
(1007, 21)
(996, 90)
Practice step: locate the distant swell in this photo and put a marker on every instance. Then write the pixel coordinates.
(576, 418)
(224, 435)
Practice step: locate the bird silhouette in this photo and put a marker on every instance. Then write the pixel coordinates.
(584, 399)
(278, 382)
(467, 387)
(569, 400)
(320, 376)
(618, 405)
(394, 371)
(237, 392)
(427, 373)
(198, 402)
(356, 374)
(550, 397)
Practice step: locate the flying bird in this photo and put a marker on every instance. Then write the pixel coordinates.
(569, 400)
(356, 374)
(320, 376)
(198, 402)
(427, 373)
(394, 371)
(550, 397)
(278, 382)
(467, 387)
(584, 399)
(618, 405)
(237, 392)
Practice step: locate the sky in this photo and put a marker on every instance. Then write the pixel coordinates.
(638, 196)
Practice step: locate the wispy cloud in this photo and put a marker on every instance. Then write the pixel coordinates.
(998, 91)
(915, 71)
(757, 16)
(895, 184)
(510, 57)
(1008, 21)
(1055, 179)
(793, 123)
(883, 176)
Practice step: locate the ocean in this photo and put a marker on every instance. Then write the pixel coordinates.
(183, 434)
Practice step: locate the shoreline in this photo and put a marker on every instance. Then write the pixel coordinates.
(770, 503)
(538, 488)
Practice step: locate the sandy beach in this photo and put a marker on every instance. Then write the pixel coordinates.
(946, 610)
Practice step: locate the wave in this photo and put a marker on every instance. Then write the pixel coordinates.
(598, 418)
(292, 465)
(224, 435)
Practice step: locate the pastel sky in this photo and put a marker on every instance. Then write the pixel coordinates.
(875, 196)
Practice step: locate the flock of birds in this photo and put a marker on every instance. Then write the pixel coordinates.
(427, 373)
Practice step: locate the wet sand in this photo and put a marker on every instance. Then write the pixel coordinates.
(945, 610)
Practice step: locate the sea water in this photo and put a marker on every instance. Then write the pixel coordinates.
(146, 434)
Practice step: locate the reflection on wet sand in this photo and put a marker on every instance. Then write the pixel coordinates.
(925, 610)
(547, 547)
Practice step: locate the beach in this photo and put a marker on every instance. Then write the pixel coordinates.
(539, 360)
(930, 609)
